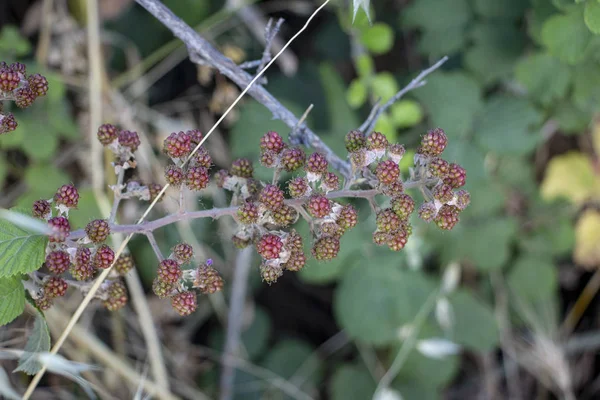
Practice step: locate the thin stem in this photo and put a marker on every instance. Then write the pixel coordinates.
(181, 200)
(117, 199)
(152, 241)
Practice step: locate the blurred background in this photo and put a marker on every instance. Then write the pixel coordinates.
(519, 98)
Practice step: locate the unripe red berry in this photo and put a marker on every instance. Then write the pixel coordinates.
(57, 261)
(326, 248)
(195, 136)
(24, 97)
(83, 256)
(270, 272)
(272, 197)
(98, 230)
(55, 287)
(463, 199)
(104, 257)
(355, 141)
(220, 177)
(107, 134)
(271, 141)
(174, 175)
(330, 182)
(8, 123)
(456, 176)
(443, 193)
(292, 159)
(129, 139)
(318, 206)
(44, 302)
(348, 217)
(447, 217)
(296, 262)
(197, 178)
(208, 280)
(38, 83)
(397, 240)
(41, 209)
(242, 167)
(439, 167)
(380, 238)
(18, 67)
(82, 271)
(269, 246)
(293, 242)
(177, 145)
(433, 142)
(124, 264)
(387, 220)
(387, 172)
(396, 152)
(317, 164)
(269, 159)
(162, 289)
(116, 296)
(394, 189)
(184, 303)
(284, 215)
(377, 141)
(9, 80)
(403, 205)
(427, 212)
(331, 229)
(169, 271)
(202, 158)
(239, 242)
(154, 189)
(67, 195)
(248, 213)
(183, 253)
(59, 229)
(298, 187)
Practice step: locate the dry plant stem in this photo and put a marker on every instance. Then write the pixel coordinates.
(41, 54)
(157, 6)
(581, 304)
(235, 319)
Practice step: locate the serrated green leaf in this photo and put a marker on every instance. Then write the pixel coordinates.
(21, 251)
(351, 382)
(474, 325)
(591, 15)
(566, 36)
(12, 299)
(545, 77)
(38, 342)
(378, 39)
(356, 95)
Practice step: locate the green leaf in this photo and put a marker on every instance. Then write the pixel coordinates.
(378, 39)
(374, 301)
(474, 325)
(385, 125)
(289, 355)
(384, 85)
(533, 278)
(546, 78)
(361, 4)
(356, 95)
(508, 9)
(469, 156)
(351, 382)
(37, 342)
(3, 171)
(342, 118)
(571, 119)
(406, 113)
(591, 16)
(21, 251)
(364, 65)
(505, 125)
(586, 91)
(437, 14)
(12, 299)
(436, 43)
(11, 42)
(567, 37)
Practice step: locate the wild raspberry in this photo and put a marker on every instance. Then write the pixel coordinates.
(463, 199)
(296, 262)
(24, 97)
(318, 206)
(59, 229)
(104, 257)
(326, 248)
(433, 142)
(129, 139)
(8, 123)
(348, 217)
(427, 212)
(195, 136)
(293, 242)
(239, 242)
(162, 289)
(9, 80)
(116, 296)
(396, 152)
(439, 167)
(397, 240)
(197, 178)
(271, 141)
(184, 303)
(443, 193)
(292, 159)
(269, 159)
(41, 209)
(407, 228)
(107, 134)
(377, 141)
(394, 189)
(248, 213)
(208, 280)
(177, 145)
(83, 255)
(387, 220)
(57, 261)
(38, 83)
(154, 189)
(174, 175)
(67, 195)
(387, 172)
(169, 271)
(202, 158)
(331, 229)
(242, 167)
(270, 272)
(82, 271)
(284, 215)
(447, 217)
(269, 246)
(330, 182)
(124, 264)
(55, 287)
(317, 164)
(44, 302)
(456, 176)
(18, 67)
(380, 238)
(272, 197)
(183, 253)
(355, 140)
(403, 205)
(98, 230)
(298, 187)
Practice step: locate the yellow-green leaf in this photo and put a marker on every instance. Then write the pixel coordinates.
(587, 237)
(570, 176)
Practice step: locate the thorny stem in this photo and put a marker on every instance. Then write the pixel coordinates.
(152, 241)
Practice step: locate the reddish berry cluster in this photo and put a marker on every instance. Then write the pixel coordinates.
(194, 174)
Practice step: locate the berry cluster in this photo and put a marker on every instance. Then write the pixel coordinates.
(180, 285)
(194, 175)
(17, 86)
